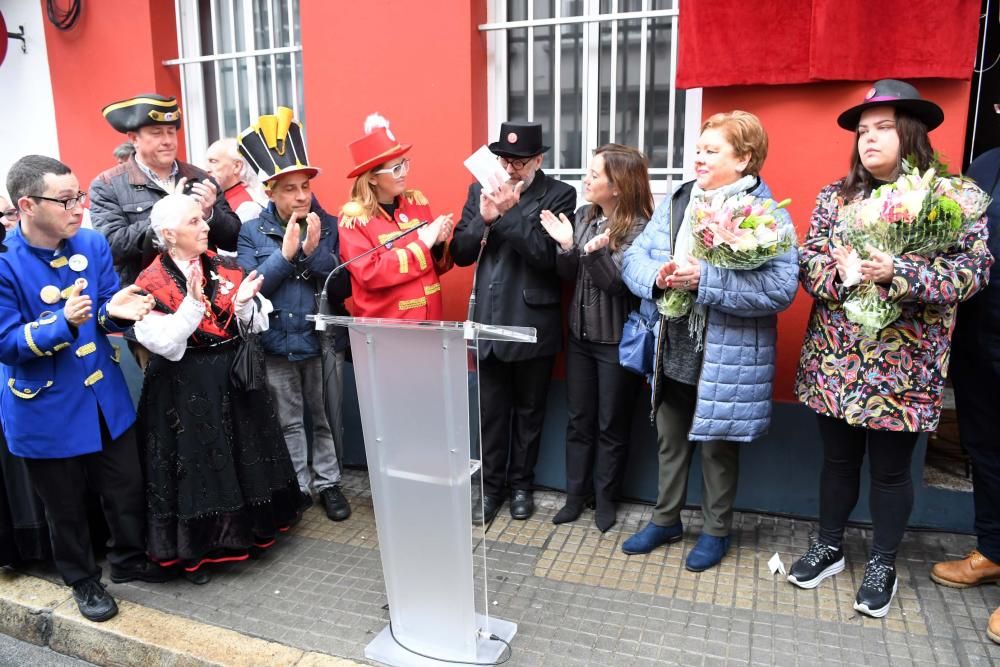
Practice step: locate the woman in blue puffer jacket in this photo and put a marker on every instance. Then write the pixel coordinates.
(714, 368)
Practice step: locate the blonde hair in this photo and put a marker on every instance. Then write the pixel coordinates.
(745, 133)
(363, 193)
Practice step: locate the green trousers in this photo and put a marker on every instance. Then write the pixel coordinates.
(720, 464)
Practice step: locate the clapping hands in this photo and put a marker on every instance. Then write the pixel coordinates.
(248, 289)
(560, 229)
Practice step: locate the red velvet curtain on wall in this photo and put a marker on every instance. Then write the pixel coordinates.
(736, 42)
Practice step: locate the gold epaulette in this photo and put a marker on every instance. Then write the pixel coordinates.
(415, 197)
(352, 213)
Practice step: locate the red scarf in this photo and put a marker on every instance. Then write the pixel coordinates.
(166, 282)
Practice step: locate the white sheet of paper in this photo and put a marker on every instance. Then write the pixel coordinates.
(484, 166)
(775, 564)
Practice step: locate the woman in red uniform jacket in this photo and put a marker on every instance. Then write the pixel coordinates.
(400, 280)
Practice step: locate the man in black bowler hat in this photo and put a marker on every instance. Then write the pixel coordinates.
(516, 284)
(122, 197)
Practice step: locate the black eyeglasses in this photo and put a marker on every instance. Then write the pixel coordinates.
(517, 164)
(68, 203)
(10, 214)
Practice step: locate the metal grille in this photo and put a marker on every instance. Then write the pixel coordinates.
(593, 72)
(238, 59)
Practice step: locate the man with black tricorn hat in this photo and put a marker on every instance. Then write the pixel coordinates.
(123, 196)
(516, 284)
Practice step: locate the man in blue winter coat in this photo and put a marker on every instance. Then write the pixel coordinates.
(294, 245)
(65, 406)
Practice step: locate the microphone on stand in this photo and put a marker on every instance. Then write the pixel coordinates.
(475, 273)
(324, 303)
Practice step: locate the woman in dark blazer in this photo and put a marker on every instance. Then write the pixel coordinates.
(600, 392)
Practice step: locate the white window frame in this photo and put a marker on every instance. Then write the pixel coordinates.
(663, 179)
(194, 112)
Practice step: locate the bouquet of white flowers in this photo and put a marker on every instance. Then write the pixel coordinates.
(919, 213)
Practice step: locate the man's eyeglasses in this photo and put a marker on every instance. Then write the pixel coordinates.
(517, 164)
(68, 203)
(398, 170)
(10, 214)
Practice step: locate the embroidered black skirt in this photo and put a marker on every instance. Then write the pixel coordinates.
(218, 476)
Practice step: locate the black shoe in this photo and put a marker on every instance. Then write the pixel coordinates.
(571, 511)
(336, 505)
(485, 513)
(143, 571)
(818, 563)
(95, 603)
(199, 577)
(877, 588)
(522, 505)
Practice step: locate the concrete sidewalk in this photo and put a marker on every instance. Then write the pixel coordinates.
(317, 598)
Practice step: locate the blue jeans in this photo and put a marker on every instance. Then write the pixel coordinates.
(296, 385)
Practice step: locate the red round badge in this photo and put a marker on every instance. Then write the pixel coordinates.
(512, 138)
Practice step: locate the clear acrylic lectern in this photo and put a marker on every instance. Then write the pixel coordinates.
(413, 389)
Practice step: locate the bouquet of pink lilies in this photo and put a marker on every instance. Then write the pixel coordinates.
(741, 232)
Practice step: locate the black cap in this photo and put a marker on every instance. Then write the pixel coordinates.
(519, 140)
(142, 110)
(897, 94)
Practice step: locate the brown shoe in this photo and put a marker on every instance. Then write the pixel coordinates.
(993, 629)
(972, 570)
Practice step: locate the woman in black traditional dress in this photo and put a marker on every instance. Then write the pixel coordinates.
(219, 480)
(24, 535)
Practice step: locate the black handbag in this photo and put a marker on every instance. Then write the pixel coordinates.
(247, 371)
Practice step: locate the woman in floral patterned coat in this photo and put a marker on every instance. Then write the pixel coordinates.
(877, 394)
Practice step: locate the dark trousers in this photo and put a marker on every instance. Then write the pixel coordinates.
(891, 495)
(975, 376)
(512, 397)
(601, 396)
(114, 473)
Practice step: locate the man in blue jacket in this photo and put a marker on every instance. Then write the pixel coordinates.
(294, 245)
(65, 406)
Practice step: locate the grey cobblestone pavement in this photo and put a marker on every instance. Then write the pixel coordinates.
(579, 601)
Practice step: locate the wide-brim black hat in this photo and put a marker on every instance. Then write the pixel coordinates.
(519, 140)
(273, 146)
(142, 110)
(897, 94)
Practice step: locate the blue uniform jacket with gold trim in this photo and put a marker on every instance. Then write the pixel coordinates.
(57, 382)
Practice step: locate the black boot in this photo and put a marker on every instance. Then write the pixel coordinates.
(571, 511)
(606, 515)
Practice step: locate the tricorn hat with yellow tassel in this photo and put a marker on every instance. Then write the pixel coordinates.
(273, 146)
